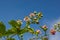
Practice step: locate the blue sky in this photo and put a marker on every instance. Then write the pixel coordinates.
(17, 9)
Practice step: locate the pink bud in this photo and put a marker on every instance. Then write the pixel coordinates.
(53, 31)
(38, 31)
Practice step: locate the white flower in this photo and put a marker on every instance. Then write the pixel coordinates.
(32, 15)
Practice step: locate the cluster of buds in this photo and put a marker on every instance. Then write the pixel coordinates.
(36, 20)
(34, 17)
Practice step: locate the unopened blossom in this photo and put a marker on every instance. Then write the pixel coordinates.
(55, 26)
(32, 15)
(38, 31)
(53, 31)
(40, 14)
(19, 21)
(58, 24)
(26, 18)
(35, 19)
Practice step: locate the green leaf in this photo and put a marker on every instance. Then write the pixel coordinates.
(2, 28)
(9, 32)
(13, 23)
(22, 31)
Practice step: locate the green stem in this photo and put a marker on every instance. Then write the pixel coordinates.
(45, 34)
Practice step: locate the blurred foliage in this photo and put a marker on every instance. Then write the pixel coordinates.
(10, 39)
(2, 29)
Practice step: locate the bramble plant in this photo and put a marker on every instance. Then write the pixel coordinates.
(16, 29)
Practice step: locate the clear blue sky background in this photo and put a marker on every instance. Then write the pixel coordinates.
(17, 9)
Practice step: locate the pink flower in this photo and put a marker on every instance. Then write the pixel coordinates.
(26, 18)
(32, 15)
(53, 31)
(44, 26)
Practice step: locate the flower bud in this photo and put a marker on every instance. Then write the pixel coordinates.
(40, 14)
(38, 31)
(53, 31)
